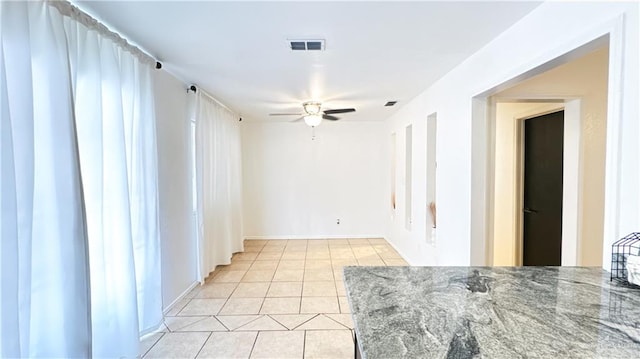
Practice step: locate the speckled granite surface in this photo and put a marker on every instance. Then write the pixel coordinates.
(501, 312)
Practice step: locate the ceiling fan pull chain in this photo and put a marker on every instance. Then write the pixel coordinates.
(313, 133)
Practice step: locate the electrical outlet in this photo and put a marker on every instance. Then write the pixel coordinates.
(338, 221)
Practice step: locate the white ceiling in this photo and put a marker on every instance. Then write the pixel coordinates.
(375, 51)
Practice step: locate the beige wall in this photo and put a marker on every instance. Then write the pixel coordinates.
(506, 177)
(586, 79)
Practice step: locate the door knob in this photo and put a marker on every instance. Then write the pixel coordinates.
(529, 210)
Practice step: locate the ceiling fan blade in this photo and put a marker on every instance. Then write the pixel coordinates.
(285, 114)
(339, 110)
(297, 119)
(330, 118)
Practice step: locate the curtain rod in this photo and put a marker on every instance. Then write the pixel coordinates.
(195, 89)
(71, 11)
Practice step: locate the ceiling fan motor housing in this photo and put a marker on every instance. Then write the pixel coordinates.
(312, 108)
(313, 113)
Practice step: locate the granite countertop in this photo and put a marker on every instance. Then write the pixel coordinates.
(499, 312)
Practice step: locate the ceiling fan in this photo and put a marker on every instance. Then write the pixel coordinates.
(313, 113)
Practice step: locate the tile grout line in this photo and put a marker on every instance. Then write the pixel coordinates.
(188, 325)
(221, 323)
(249, 322)
(306, 321)
(304, 275)
(253, 346)
(336, 320)
(154, 344)
(275, 320)
(203, 344)
(261, 305)
(269, 287)
(177, 313)
(164, 321)
(304, 344)
(333, 275)
(227, 300)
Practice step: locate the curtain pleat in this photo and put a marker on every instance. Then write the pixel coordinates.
(79, 250)
(40, 167)
(219, 184)
(9, 288)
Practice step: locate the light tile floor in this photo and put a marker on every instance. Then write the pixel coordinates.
(277, 299)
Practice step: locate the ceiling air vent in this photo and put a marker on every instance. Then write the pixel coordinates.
(390, 103)
(306, 45)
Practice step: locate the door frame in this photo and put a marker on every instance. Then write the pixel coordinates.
(571, 179)
(483, 133)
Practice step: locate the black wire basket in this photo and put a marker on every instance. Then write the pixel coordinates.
(620, 251)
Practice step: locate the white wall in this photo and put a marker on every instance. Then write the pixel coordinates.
(177, 241)
(548, 32)
(584, 78)
(413, 243)
(296, 187)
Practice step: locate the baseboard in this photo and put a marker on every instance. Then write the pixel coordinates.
(180, 297)
(398, 251)
(359, 236)
(160, 327)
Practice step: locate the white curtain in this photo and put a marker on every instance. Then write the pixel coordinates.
(219, 184)
(80, 249)
(116, 141)
(45, 285)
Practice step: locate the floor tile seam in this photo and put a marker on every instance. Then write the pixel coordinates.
(268, 289)
(326, 315)
(180, 311)
(326, 330)
(233, 292)
(227, 300)
(249, 322)
(261, 305)
(265, 293)
(332, 273)
(253, 346)
(306, 321)
(201, 331)
(275, 320)
(154, 344)
(190, 324)
(221, 323)
(304, 344)
(203, 344)
(321, 296)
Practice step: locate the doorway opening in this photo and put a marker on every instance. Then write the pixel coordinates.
(542, 189)
(579, 86)
(509, 208)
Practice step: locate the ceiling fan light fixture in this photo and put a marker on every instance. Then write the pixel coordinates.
(313, 120)
(312, 108)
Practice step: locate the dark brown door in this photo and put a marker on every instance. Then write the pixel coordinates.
(542, 232)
